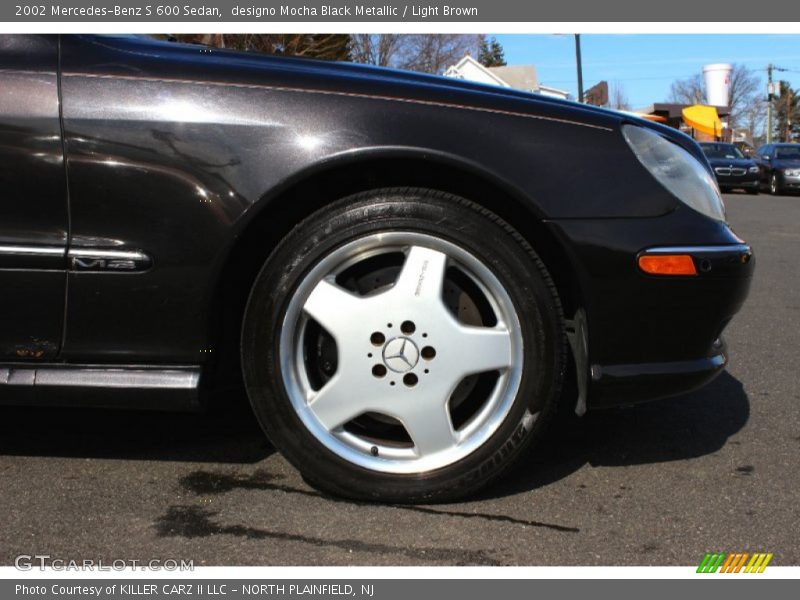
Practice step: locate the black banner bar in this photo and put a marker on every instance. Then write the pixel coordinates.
(391, 11)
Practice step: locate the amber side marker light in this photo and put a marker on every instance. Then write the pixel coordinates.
(667, 264)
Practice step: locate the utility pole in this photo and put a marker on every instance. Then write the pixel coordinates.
(770, 97)
(769, 104)
(580, 66)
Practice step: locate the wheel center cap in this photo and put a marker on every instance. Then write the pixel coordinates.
(400, 354)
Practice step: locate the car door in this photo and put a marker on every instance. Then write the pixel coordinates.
(33, 202)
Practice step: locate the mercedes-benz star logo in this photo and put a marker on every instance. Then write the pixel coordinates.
(400, 354)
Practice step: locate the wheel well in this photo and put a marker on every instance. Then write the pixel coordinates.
(301, 199)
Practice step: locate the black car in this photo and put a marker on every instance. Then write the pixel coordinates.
(780, 167)
(409, 274)
(732, 169)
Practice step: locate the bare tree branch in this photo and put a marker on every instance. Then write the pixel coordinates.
(428, 53)
(744, 99)
(618, 99)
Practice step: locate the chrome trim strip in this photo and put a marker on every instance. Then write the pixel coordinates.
(20, 250)
(741, 248)
(110, 254)
(98, 377)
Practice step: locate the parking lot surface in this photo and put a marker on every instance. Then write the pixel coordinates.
(659, 484)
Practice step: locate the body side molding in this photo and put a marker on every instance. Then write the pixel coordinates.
(124, 386)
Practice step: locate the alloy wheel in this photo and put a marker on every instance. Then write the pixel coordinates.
(401, 352)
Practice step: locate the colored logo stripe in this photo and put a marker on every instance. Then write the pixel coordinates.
(735, 562)
(711, 562)
(758, 563)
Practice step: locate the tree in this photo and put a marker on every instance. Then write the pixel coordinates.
(753, 118)
(428, 53)
(617, 98)
(787, 114)
(334, 46)
(433, 53)
(744, 92)
(375, 49)
(688, 91)
(491, 53)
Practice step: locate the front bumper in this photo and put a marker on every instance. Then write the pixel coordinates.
(618, 385)
(747, 181)
(790, 183)
(651, 336)
(744, 185)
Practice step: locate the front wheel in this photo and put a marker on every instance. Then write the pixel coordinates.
(774, 185)
(404, 346)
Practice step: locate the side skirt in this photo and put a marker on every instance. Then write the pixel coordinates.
(142, 387)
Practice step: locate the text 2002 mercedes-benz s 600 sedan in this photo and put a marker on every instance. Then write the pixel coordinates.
(406, 271)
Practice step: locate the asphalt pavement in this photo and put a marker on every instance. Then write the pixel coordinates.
(659, 484)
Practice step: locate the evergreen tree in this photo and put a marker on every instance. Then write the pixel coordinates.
(490, 53)
(787, 114)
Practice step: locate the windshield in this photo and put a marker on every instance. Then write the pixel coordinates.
(787, 152)
(722, 151)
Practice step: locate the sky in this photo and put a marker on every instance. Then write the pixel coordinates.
(644, 66)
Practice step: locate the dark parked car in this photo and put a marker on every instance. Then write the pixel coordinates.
(780, 167)
(409, 273)
(731, 168)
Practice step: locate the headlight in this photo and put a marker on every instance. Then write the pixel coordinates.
(677, 170)
(753, 169)
(792, 172)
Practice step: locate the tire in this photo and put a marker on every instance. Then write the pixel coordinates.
(384, 358)
(774, 185)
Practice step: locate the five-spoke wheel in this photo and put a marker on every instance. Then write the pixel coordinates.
(401, 351)
(403, 345)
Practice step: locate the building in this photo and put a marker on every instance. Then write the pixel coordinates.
(679, 116)
(521, 77)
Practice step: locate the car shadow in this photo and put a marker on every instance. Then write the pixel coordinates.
(742, 192)
(225, 433)
(679, 428)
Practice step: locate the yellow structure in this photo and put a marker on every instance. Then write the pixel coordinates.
(703, 119)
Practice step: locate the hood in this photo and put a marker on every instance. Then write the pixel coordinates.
(786, 163)
(732, 162)
(251, 67)
(188, 61)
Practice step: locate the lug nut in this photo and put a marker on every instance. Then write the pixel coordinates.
(408, 327)
(379, 371)
(377, 338)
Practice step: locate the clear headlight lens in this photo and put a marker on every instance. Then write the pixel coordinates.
(753, 169)
(792, 172)
(677, 170)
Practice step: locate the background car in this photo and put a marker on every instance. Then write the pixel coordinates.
(780, 167)
(410, 275)
(731, 168)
